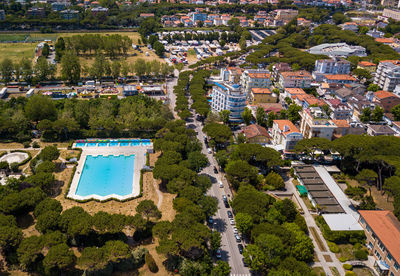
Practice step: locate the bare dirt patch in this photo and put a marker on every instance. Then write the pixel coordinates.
(11, 146)
(327, 258)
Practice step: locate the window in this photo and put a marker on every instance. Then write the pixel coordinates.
(389, 257)
(362, 221)
(371, 245)
(396, 266)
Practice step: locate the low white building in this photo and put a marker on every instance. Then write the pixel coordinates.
(338, 50)
(285, 134)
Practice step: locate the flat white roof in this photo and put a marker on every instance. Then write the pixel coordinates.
(342, 222)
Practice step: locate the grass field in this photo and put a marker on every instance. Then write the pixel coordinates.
(17, 51)
(12, 37)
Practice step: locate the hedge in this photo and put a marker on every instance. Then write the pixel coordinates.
(340, 237)
(147, 159)
(26, 160)
(348, 266)
(333, 247)
(151, 264)
(3, 153)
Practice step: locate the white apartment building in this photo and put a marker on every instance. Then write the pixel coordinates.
(330, 66)
(285, 134)
(255, 79)
(297, 79)
(229, 96)
(315, 123)
(388, 74)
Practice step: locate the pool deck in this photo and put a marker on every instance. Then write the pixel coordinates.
(140, 162)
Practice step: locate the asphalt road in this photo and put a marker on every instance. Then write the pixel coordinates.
(229, 246)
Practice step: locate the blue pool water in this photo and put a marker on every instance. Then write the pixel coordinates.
(102, 144)
(124, 144)
(121, 143)
(105, 175)
(80, 144)
(91, 144)
(135, 143)
(114, 144)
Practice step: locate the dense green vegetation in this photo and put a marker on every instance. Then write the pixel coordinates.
(138, 116)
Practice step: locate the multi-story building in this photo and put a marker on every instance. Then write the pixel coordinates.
(391, 13)
(59, 6)
(382, 230)
(255, 79)
(342, 79)
(261, 95)
(386, 99)
(69, 14)
(36, 12)
(279, 67)
(297, 79)
(315, 123)
(330, 66)
(340, 110)
(286, 15)
(229, 96)
(366, 65)
(286, 134)
(231, 74)
(388, 74)
(2, 15)
(99, 11)
(198, 16)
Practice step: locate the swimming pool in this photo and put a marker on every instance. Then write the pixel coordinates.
(115, 143)
(106, 175)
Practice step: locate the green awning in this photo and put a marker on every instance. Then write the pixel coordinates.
(302, 189)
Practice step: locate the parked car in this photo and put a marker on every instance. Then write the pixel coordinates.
(224, 198)
(209, 150)
(221, 185)
(218, 254)
(215, 170)
(210, 220)
(230, 215)
(244, 263)
(235, 231)
(240, 247)
(237, 238)
(232, 221)
(226, 204)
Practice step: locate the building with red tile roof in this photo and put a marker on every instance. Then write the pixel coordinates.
(256, 134)
(382, 230)
(386, 99)
(285, 134)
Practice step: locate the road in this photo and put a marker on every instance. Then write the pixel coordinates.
(229, 246)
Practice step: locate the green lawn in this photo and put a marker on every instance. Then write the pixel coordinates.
(13, 37)
(17, 51)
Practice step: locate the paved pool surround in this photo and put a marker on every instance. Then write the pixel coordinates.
(140, 161)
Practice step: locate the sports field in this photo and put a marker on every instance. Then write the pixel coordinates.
(17, 51)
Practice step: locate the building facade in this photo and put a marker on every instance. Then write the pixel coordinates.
(228, 96)
(331, 66)
(262, 95)
(286, 134)
(315, 123)
(382, 230)
(298, 79)
(388, 74)
(255, 79)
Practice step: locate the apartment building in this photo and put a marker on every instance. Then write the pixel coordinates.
(366, 65)
(229, 96)
(386, 99)
(69, 14)
(388, 74)
(330, 66)
(382, 230)
(315, 123)
(286, 15)
(262, 95)
(277, 68)
(339, 78)
(340, 110)
(255, 79)
(391, 13)
(297, 79)
(285, 134)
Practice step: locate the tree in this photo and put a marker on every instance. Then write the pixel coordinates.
(6, 69)
(26, 70)
(270, 119)
(159, 49)
(260, 116)
(70, 67)
(222, 158)
(47, 221)
(339, 18)
(40, 107)
(49, 153)
(48, 204)
(362, 73)
(29, 252)
(151, 263)
(10, 237)
(247, 116)
(93, 258)
(59, 259)
(43, 70)
(377, 114)
(148, 26)
(373, 87)
(115, 69)
(224, 115)
(233, 23)
(244, 223)
(221, 269)
(148, 209)
(240, 171)
(310, 146)
(363, 30)
(275, 180)
(98, 67)
(197, 161)
(140, 67)
(46, 167)
(396, 112)
(368, 177)
(293, 113)
(365, 115)
(215, 241)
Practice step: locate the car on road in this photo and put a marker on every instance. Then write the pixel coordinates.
(240, 247)
(218, 254)
(244, 263)
(230, 215)
(209, 150)
(237, 238)
(235, 231)
(224, 198)
(210, 220)
(220, 184)
(232, 221)
(215, 170)
(226, 204)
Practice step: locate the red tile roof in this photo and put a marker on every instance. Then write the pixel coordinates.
(290, 127)
(259, 75)
(386, 227)
(366, 64)
(261, 91)
(340, 77)
(341, 123)
(383, 94)
(254, 131)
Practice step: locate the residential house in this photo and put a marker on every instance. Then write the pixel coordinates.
(198, 16)
(342, 128)
(385, 40)
(380, 130)
(303, 22)
(315, 123)
(339, 78)
(36, 12)
(229, 96)
(59, 6)
(358, 103)
(297, 79)
(386, 99)
(277, 68)
(349, 26)
(291, 93)
(285, 134)
(255, 79)
(146, 15)
(286, 14)
(99, 11)
(256, 134)
(388, 74)
(340, 110)
(382, 230)
(325, 88)
(69, 14)
(375, 33)
(225, 18)
(262, 95)
(271, 107)
(366, 65)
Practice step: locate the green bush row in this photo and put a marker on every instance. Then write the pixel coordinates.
(340, 237)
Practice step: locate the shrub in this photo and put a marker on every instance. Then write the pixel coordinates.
(343, 259)
(333, 247)
(350, 273)
(151, 264)
(35, 145)
(26, 144)
(361, 254)
(14, 166)
(348, 266)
